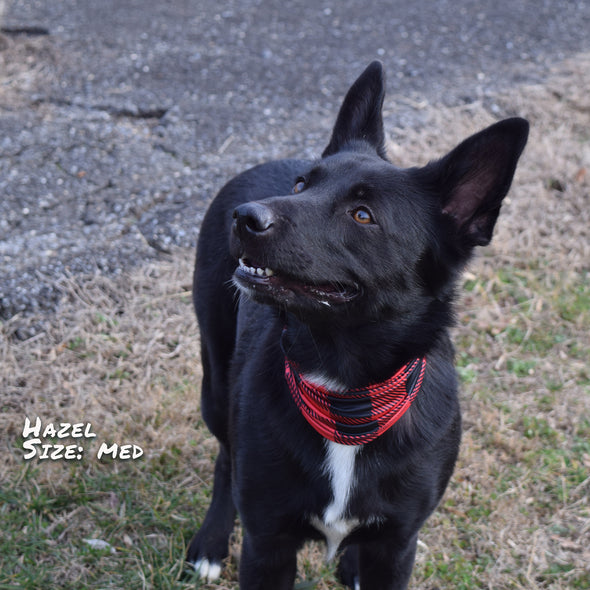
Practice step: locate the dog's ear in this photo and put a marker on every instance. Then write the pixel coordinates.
(475, 177)
(360, 115)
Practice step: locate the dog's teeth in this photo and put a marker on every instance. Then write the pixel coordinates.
(256, 271)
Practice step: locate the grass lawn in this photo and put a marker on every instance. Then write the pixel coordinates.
(121, 359)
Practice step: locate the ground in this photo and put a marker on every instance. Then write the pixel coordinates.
(119, 120)
(104, 166)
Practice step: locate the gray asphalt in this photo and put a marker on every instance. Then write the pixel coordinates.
(119, 119)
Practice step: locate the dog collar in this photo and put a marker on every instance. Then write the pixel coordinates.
(356, 416)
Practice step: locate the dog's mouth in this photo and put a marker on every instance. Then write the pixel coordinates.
(264, 283)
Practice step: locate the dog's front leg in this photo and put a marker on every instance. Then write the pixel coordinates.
(386, 565)
(268, 563)
(209, 546)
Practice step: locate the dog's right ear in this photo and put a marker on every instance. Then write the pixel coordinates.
(360, 117)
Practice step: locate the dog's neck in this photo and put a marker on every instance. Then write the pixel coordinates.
(355, 416)
(349, 356)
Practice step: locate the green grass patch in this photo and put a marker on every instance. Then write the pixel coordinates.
(116, 528)
(458, 571)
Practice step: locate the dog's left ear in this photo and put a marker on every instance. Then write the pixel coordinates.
(360, 117)
(476, 176)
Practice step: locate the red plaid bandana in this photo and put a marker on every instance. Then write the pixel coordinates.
(356, 416)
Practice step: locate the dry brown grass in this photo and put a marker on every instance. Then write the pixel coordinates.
(122, 354)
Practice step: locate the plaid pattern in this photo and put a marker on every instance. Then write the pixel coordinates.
(356, 416)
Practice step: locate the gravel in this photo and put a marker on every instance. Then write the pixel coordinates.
(120, 120)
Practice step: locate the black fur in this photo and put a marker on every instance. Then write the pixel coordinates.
(357, 301)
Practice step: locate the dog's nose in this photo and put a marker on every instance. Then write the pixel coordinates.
(253, 218)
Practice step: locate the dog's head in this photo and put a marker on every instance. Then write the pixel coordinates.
(359, 239)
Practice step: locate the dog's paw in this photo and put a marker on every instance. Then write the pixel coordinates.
(207, 570)
(348, 569)
(354, 583)
(206, 553)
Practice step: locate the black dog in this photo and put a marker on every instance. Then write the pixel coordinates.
(328, 372)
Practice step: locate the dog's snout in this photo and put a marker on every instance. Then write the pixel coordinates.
(253, 218)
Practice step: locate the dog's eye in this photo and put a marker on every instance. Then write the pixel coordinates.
(299, 185)
(362, 215)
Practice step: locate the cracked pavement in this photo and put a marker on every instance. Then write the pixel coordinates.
(120, 120)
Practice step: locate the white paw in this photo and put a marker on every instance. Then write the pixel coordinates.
(206, 570)
(357, 584)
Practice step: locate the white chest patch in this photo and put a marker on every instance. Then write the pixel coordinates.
(339, 466)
